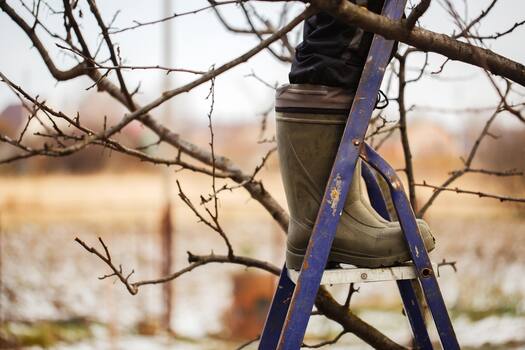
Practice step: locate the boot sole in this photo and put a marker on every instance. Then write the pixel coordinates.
(294, 260)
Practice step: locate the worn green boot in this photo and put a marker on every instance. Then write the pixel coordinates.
(310, 123)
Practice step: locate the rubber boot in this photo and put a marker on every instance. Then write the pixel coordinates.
(307, 145)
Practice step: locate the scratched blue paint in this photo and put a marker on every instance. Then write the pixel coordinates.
(278, 309)
(414, 314)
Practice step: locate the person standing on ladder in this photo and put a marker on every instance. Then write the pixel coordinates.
(311, 115)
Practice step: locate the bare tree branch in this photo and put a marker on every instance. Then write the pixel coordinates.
(416, 13)
(326, 342)
(477, 193)
(423, 39)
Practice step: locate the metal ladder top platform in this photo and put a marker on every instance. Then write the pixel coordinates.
(349, 274)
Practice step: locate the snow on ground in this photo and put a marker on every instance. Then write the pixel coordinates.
(45, 275)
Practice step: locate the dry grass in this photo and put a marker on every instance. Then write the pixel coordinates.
(108, 198)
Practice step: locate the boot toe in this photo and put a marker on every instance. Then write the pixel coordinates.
(426, 234)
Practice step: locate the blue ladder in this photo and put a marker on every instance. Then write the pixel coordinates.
(292, 303)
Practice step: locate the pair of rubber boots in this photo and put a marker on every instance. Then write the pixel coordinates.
(310, 123)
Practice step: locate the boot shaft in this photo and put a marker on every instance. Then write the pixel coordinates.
(310, 123)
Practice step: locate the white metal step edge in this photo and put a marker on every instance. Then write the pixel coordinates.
(351, 274)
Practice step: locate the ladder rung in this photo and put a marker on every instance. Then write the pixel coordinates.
(348, 275)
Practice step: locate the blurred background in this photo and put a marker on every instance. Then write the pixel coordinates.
(50, 296)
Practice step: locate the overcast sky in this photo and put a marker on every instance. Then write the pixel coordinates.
(200, 41)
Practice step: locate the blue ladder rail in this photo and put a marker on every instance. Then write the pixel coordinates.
(418, 252)
(292, 303)
(408, 295)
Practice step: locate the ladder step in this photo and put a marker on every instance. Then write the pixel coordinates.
(350, 274)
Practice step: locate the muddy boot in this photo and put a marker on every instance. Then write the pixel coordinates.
(310, 123)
